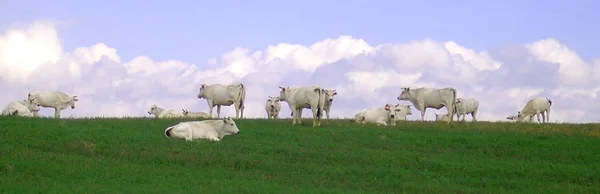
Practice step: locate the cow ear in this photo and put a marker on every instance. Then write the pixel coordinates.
(387, 108)
(334, 92)
(202, 86)
(224, 120)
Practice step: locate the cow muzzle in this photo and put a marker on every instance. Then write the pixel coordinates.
(392, 116)
(398, 98)
(272, 106)
(73, 107)
(237, 133)
(330, 100)
(149, 113)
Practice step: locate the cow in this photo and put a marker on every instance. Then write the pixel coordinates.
(514, 117)
(329, 94)
(442, 117)
(423, 98)
(213, 130)
(380, 116)
(535, 107)
(301, 97)
(54, 99)
(187, 113)
(466, 106)
(273, 106)
(159, 112)
(224, 95)
(405, 110)
(23, 108)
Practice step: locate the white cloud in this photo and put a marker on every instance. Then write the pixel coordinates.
(365, 76)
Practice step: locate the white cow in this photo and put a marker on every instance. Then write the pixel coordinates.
(224, 95)
(423, 98)
(535, 107)
(159, 112)
(442, 117)
(405, 109)
(380, 116)
(273, 106)
(55, 99)
(466, 106)
(213, 130)
(23, 108)
(514, 117)
(300, 97)
(329, 94)
(187, 113)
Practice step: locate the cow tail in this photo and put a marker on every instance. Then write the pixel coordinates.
(549, 101)
(321, 102)
(168, 131)
(242, 96)
(453, 102)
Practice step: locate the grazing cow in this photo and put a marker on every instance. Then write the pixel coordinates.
(213, 130)
(535, 107)
(23, 108)
(380, 116)
(301, 97)
(527, 118)
(405, 110)
(423, 98)
(466, 106)
(57, 100)
(442, 117)
(187, 113)
(159, 112)
(273, 106)
(224, 95)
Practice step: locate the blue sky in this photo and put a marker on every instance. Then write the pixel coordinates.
(553, 33)
(194, 31)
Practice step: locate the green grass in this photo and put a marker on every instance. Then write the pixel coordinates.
(272, 156)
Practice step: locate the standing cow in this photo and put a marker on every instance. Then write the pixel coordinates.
(300, 97)
(423, 98)
(466, 106)
(213, 130)
(273, 106)
(23, 108)
(57, 100)
(535, 107)
(405, 110)
(329, 94)
(224, 95)
(381, 116)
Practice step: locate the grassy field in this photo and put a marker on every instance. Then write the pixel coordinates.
(272, 156)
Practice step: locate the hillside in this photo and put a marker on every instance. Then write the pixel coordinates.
(272, 156)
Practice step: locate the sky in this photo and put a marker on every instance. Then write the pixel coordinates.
(121, 57)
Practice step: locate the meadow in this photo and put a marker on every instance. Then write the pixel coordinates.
(44, 155)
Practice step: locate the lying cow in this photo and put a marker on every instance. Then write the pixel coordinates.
(405, 110)
(224, 95)
(381, 116)
(423, 98)
(159, 112)
(213, 130)
(273, 106)
(57, 100)
(23, 108)
(301, 97)
(466, 106)
(535, 107)
(187, 113)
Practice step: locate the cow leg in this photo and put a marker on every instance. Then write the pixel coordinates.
(473, 114)
(219, 111)
(538, 117)
(294, 114)
(548, 115)
(423, 113)
(463, 116)
(315, 111)
(210, 107)
(543, 116)
(326, 112)
(56, 113)
(237, 109)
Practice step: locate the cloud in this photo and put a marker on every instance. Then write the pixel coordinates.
(503, 79)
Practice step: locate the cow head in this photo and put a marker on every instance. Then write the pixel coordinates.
(393, 110)
(155, 110)
(201, 93)
(406, 109)
(272, 101)
(442, 117)
(72, 102)
(229, 127)
(405, 95)
(330, 94)
(33, 106)
(283, 94)
(184, 111)
(458, 101)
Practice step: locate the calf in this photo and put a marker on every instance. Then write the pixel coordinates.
(159, 112)
(535, 107)
(380, 116)
(405, 110)
(23, 108)
(213, 130)
(466, 106)
(273, 106)
(187, 113)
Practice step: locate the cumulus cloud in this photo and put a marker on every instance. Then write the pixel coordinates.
(503, 79)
